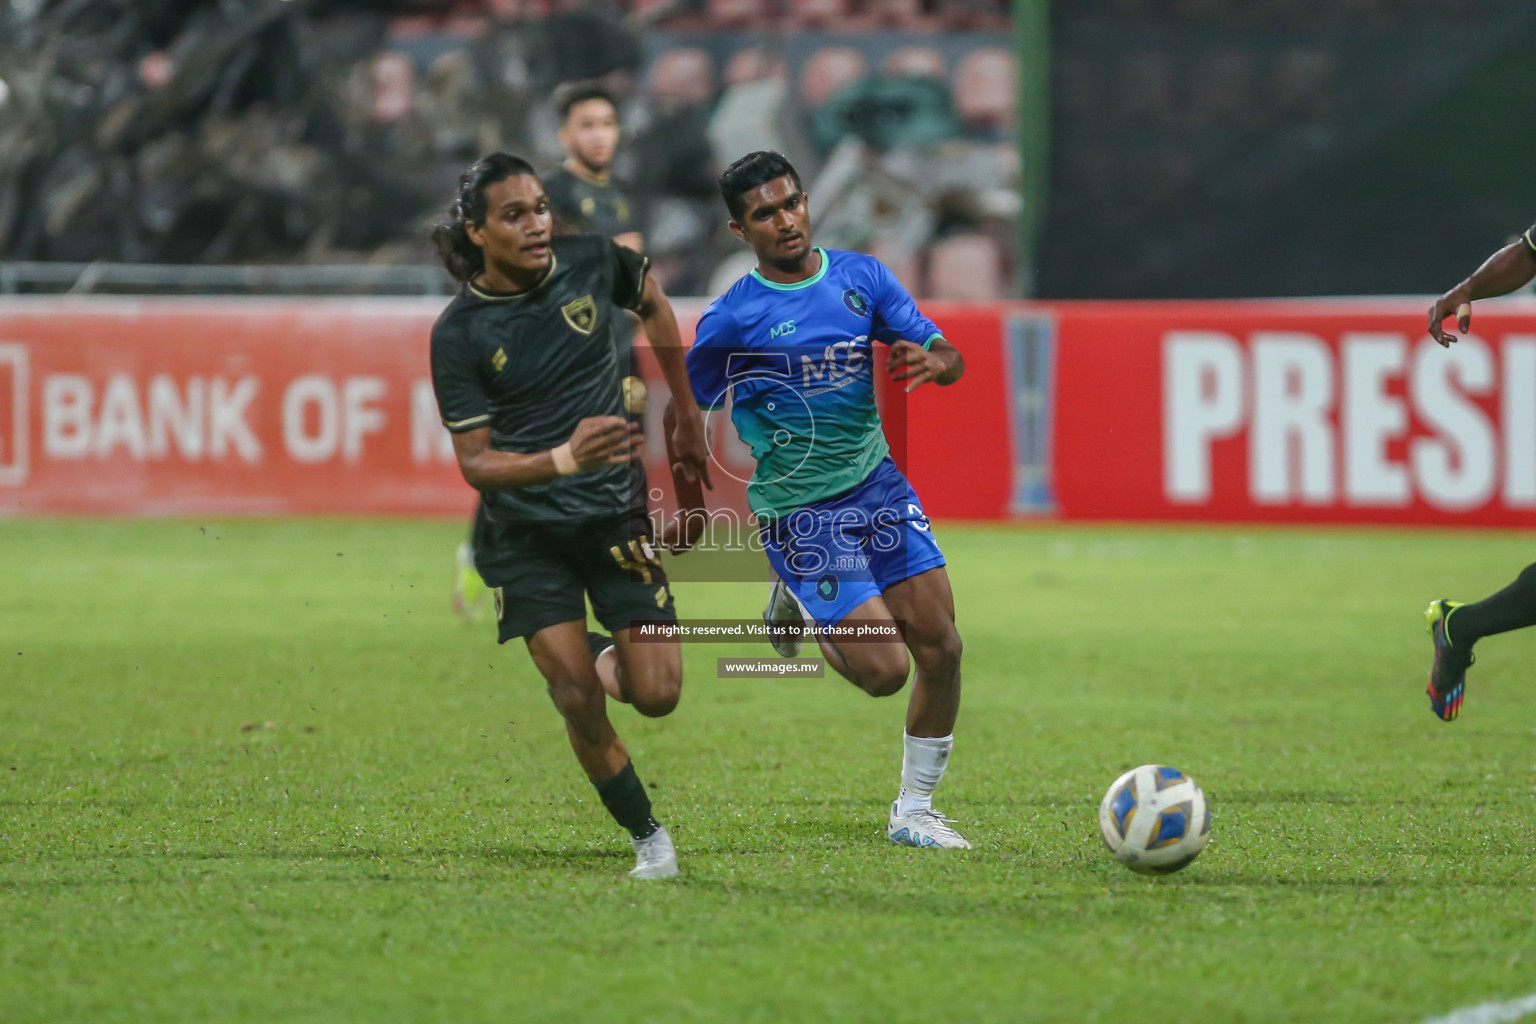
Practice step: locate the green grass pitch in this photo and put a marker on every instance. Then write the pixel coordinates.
(404, 835)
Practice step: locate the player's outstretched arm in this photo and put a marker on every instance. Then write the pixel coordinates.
(683, 533)
(688, 448)
(940, 362)
(1509, 268)
(598, 441)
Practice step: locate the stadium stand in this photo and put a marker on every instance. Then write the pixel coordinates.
(916, 62)
(330, 133)
(828, 15)
(827, 72)
(733, 14)
(684, 76)
(985, 87)
(751, 64)
(904, 15)
(966, 268)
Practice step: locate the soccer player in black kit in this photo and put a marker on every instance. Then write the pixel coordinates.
(585, 199)
(527, 380)
(1455, 626)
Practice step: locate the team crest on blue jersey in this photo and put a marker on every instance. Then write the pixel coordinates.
(856, 303)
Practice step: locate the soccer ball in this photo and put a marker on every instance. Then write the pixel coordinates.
(1155, 820)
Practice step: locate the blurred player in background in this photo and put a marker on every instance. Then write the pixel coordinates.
(791, 344)
(585, 200)
(1455, 626)
(527, 379)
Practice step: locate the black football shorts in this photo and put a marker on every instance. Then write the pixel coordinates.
(541, 573)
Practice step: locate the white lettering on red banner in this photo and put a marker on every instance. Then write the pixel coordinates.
(1374, 420)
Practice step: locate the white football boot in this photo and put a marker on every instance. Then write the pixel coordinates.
(926, 828)
(785, 620)
(655, 856)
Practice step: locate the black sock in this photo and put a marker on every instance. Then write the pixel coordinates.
(625, 797)
(1514, 607)
(597, 643)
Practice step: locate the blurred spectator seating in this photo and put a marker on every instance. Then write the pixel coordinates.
(827, 72)
(829, 15)
(684, 76)
(752, 110)
(156, 70)
(729, 14)
(728, 271)
(985, 87)
(317, 138)
(903, 261)
(646, 8)
(965, 268)
(752, 64)
(906, 15)
(394, 86)
(915, 62)
(519, 10)
(971, 15)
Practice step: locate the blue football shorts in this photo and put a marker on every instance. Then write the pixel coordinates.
(839, 552)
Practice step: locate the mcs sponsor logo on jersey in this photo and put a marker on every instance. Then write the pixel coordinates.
(841, 360)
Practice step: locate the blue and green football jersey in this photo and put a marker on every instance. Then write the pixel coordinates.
(796, 363)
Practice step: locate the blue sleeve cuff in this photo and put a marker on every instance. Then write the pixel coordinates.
(931, 339)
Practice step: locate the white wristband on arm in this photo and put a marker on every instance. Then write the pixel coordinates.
(565, 462)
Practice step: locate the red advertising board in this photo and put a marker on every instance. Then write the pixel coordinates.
(1304, 411)
(1323, 411)
(194, 407)
(249, 406)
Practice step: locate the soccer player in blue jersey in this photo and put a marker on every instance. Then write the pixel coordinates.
(791, 346)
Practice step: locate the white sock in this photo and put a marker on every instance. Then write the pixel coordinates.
(923, 760)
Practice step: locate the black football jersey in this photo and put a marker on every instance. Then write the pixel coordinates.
(532, 365)
(581, 207)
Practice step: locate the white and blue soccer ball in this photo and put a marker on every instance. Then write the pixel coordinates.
(1155, 820)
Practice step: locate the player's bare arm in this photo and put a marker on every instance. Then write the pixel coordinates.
(688, 444)
(941, 363)
(683, 533)
(598, 441)
(1511, 267)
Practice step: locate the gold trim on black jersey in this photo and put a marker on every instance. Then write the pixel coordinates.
(458, 426)
(493, 297)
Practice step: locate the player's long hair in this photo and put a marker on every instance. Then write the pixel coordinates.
(460, 255)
